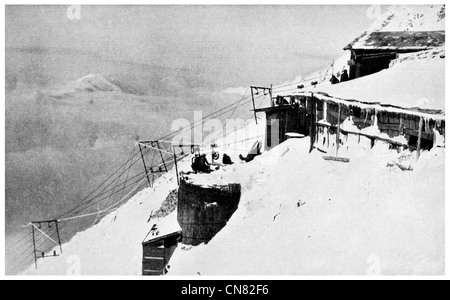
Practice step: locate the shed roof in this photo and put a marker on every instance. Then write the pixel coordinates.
(166, 227)
(399, 40)
(153, 239)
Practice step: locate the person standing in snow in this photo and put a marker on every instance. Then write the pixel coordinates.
(334, 79)
(226, 160)
(344, 76)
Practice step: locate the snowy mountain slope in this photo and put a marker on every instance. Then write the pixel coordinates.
(411, 18)
(322, 76)
(298, 214)
(411, 26)
(302, 215)
(113, 246)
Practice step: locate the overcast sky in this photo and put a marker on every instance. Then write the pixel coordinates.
(241, 38)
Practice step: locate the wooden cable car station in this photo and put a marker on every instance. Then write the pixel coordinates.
(309, 113)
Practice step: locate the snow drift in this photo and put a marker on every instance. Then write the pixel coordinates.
(414, 80)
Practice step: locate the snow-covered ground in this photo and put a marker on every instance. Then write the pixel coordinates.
(113, 246)
(298, 215)
(302, 215)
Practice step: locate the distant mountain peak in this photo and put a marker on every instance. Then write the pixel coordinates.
(94, 83)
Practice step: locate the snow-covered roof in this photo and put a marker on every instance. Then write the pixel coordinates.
(400, 40)
(164, 228)
(413, 27)
(413, 82)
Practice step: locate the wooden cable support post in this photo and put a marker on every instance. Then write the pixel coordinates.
(160, 153)
(176, 165)
(34, 247)
(33, 227)
(46, 235)
(254, 108)
(270, 93)
(59, 238)
(264, 89)
(145, 167)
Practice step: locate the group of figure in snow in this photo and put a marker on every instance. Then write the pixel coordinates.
(200, 163)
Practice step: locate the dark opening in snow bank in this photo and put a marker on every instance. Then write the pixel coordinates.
(204, 210)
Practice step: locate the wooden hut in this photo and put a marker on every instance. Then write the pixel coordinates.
(157, 251)
(374, 51)
(292, 115)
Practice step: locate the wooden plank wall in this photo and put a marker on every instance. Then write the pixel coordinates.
(156, 256)
(391, 123)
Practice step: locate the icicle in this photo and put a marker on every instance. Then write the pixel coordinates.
(427, 124)
(366, 116)
(375, 119)
(325, 110)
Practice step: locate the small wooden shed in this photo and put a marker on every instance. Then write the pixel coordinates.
(157, 251)
(294, 114)
(374, 51)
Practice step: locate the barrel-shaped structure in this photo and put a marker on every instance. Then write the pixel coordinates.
(204, 210)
